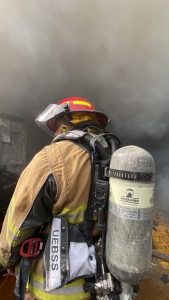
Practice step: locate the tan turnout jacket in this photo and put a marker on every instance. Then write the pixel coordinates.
(71, 168)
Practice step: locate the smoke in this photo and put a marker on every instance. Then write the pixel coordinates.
(115, 53)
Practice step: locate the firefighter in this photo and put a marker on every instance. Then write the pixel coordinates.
(55, 183)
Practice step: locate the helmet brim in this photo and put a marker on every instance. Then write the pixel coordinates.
(57, 111)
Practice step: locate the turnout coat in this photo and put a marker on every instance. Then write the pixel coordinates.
(56, 182)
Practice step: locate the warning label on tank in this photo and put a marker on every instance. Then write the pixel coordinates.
(131, 194)
(131, 213)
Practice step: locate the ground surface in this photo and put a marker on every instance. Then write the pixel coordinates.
(156, 286)
(7, 285)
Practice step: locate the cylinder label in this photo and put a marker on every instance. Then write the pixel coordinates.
(131, 194)
(131, 213)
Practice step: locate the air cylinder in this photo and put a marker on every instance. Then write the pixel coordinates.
(130, 214)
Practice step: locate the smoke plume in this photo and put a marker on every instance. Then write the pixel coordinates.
(114, 53)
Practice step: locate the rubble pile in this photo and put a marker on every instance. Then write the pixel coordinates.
(156, 286)
(161, 234)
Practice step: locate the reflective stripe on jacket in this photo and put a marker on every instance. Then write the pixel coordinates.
(70, 166)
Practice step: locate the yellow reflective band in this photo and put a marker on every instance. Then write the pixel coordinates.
(15, 236)
(37, 278)
(44, 295)
(17, 233)
(79, 209)
(82, 103)
(75, 220)
(27, 286)
(16, 243)
(9, 216)
(77, 282)
(74, 211)
(74, 216)
(64, 211)
(8, 224)
(40, 279)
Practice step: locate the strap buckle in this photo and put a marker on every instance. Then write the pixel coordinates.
(106, 172)
(31, 248)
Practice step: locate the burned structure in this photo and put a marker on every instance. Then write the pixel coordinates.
(12, 157)
(12, 143)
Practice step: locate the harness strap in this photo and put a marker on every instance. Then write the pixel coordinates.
(25, 269)
(29, 250)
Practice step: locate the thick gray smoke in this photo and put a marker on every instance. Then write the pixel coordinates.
(114, 52)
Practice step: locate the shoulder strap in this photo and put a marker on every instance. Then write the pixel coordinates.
(72, 135)
(100, 148)
(92, 141)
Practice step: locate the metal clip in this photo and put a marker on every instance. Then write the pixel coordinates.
(107, 172)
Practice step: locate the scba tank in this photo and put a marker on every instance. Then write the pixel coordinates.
(130, 214)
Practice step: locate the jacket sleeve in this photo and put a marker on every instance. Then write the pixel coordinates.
(30, 207)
